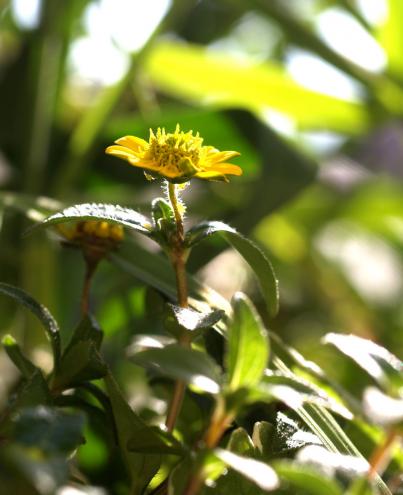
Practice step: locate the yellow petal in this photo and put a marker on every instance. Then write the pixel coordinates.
(224, 168)
(222, 156)
(132, 142)
(121, 152)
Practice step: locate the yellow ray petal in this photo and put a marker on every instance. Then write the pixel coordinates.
(224, 168)
(132, 142)
(221, 156)
(120, 152)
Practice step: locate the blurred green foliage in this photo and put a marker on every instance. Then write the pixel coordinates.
(321, 195)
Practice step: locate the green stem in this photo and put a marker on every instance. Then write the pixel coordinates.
(178, 255)
(173, 198)
(178, 258)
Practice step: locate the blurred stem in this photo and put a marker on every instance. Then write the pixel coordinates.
(45, 61)
(380, 457)
(178, 259)
(91, 266)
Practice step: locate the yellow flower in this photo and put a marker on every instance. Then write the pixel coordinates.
(176, 156)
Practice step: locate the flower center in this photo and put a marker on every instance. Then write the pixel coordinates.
(177, 152)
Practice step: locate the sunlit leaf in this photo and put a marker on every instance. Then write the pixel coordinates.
(332, 462)
(391, 37)
(326, 428)
(181, 363)
(294, 391)
(247, 347)
(193, 73)
(260, 473)
(141, 342)
(382, 408)
(379, 363)
(305, 479)
(98, 211)
(256, 259)
(179, 320)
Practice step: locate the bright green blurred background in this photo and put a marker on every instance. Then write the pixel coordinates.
(309, 91)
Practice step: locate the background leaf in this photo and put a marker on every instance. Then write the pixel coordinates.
(41, 312)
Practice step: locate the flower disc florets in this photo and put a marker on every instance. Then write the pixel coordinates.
(176, 156)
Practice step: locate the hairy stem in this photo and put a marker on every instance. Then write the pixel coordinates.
(173, 198)
(178, 258)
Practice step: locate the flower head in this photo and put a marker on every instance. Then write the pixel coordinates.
(176, 156)
(95, 238)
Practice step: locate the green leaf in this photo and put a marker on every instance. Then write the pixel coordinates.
(153, 440)
(192, 72)
(295, 391)
(253, 255)
(305, 479)
(179, 476)
(142, 342)
(260, 473)
(332, 463)
(179, 320)
(180, 363)
(98, 211)
(87, 329)
(48, 429)
(80, 362)
(263, 437)
(141, 467)
(247, 347)
(391, 37)
(362, 486)
(381, 408)
(379, 363)
(41, 312)
(13, 350)
(240, 442)
(326, 428)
